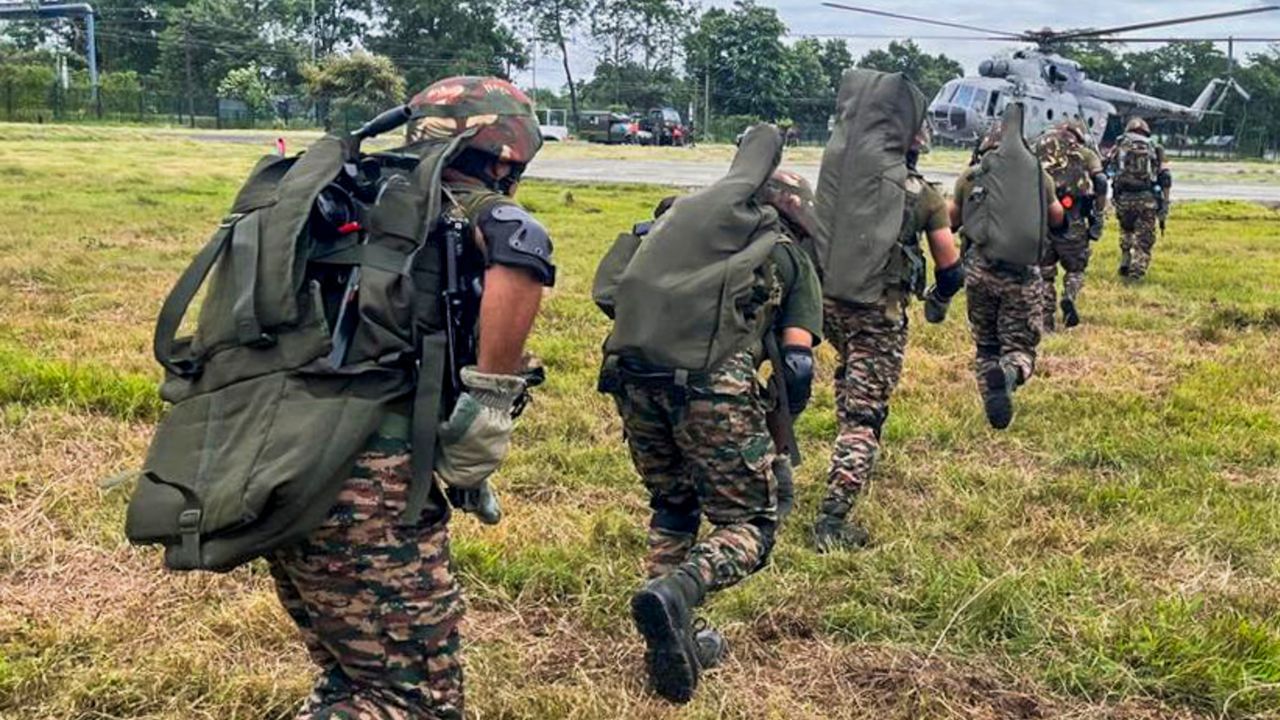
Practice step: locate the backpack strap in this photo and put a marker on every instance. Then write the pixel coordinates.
(164, 345)
(245, 243)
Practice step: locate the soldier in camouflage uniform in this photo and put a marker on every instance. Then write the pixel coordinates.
(704, 450)
(871, 341)
(1142, 185)
(373, 596)
(1003, 303)
(1082, 189)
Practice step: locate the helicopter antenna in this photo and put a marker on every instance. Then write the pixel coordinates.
(941, 23)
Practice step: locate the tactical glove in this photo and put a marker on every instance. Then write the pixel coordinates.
(937, 299)
(797, 376)
(476, 437)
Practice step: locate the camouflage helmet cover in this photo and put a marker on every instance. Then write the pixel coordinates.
(1138, 125)
(992, 139)
(1075, 128)
(793, 197)
(508, 129)
(923, 141)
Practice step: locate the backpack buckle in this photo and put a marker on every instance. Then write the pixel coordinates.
(188, 554)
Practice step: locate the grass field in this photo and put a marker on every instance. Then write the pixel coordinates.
(1113, 556)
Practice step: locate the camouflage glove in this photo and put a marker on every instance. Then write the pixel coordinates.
(935, 307)
(479, 501)
(476, 437)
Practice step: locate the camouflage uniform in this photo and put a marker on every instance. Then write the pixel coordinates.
(1003, 305)
(706, 451)
(374, 597)
(1139, 203)
(1072, 246)
(871, 341)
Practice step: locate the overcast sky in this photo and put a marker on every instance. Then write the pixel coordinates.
(809, 17)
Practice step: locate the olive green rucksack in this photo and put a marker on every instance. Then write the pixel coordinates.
(866, 196)
(309, 331)
(697, 288)
(1005, 213)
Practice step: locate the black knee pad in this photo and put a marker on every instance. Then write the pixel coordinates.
(768, 536)
(988, 352)
(678, 515)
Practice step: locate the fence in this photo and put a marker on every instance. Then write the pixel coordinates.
(24, 102)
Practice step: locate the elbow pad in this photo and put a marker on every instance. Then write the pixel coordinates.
(797, 375)
(1165, 179)
(515, 239)
(1100, 186)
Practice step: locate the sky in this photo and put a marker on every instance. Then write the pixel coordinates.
(809, 17)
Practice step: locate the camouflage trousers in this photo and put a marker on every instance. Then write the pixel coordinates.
(1072, 251)
(708, 455)
(375, 600)
(871, 341)
(1004, 315)
(1139, 215)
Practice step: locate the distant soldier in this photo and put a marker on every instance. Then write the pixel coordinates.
(1142, 185)
(699, 299)
(874, 206)
(1081, 187)
(1003, 206)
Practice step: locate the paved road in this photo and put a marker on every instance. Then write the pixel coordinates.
(694, 174)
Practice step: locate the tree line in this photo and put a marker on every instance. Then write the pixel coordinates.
(730, 65)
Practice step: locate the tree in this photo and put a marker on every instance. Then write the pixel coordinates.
(432, 39)
(928, 72)
(554, 21)
(247, 85)
(646, 32)
(360, 78)
(740, 50)
(836, 59)
(338, 24)
(632, 86)
(813, 95)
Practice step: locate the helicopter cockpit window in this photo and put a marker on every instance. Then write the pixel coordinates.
(963, 96)
(979, 100)
(993, 103)
(947, 92)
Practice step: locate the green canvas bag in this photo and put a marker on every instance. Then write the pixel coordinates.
(302, 345)
(865, 194)
(697, 288)
(1005, 213)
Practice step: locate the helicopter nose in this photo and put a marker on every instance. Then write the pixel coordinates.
(950, 117)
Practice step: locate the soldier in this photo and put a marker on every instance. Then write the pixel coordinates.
(687, 389)
(1082, 189)
(1142, 185)
(870, 332)
(374, 597)
(1003, 295)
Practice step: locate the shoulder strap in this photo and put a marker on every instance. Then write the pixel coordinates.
(175, 306)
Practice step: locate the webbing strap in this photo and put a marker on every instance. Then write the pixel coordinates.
(783, 410)
(245, 245)
(426, 421)
(186, 554)
(372, 256)
(180, 297)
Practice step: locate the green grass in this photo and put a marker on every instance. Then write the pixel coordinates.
(1112, 556)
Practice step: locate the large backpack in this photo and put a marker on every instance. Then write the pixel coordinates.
(1065, 161)
(865, 195)
(307, 335)
(1005, 213)
(1137, 163)
(700, 285)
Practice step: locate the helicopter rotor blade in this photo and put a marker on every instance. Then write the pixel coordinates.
(1123, 41)
(941, 23)
(1085, 34)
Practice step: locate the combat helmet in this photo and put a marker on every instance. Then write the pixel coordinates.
(792, 196)
(1074, 127)
(1137, 125)
(508, 130)
(992, 139)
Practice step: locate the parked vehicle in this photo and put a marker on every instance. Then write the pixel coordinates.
(600, 126)
(554, 125)
(666, 127)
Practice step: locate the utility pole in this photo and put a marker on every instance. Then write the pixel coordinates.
(706, 105)
(314, 32)
(535, 72)
(186, 44)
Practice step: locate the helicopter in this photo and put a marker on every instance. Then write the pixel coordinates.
(1055, 88)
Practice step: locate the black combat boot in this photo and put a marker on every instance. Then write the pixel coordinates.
(833, 533)
(663, 613)
(997, 401)
(712, 647)
(1070, 316)
(786, 486)
(1124, 264)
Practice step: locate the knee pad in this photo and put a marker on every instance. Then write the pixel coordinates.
(988, 352)
(768, 536)
(680, 515)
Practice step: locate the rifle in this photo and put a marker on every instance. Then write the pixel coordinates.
(779, 420)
